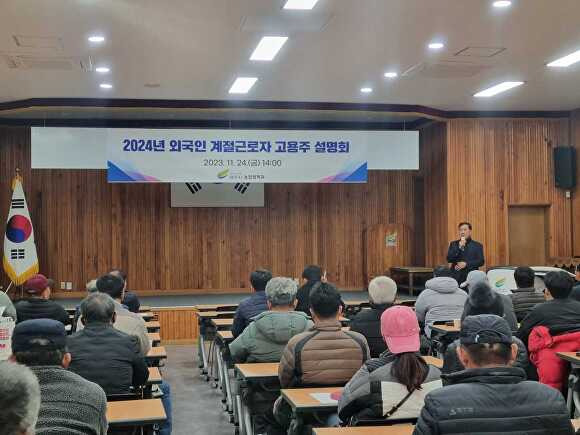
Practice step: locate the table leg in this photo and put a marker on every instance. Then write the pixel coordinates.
(247, 420)
(237, 414)
(411, 283)
(226, 380)
(203, 354)
(296, 425)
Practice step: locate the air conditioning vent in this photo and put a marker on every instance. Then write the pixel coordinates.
(444, 70)
(480, 51)
(33, 62)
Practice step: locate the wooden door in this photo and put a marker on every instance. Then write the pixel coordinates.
(528, 235)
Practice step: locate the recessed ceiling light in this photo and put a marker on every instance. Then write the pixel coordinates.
(566, 61)
(268, 47)
(494, 90)
(436, 45)
(242, 85)
(391, 75)
(366, 90)
(102, 69)
(105, 86)
(96, 38)
(300, 4)
(502, 3)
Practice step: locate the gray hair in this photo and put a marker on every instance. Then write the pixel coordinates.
(92, 286)
(281, 291)
(97, 307)
(19, 399)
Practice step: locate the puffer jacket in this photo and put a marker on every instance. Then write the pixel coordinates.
(442, 299)
(494, 400)
(524, 300)
(451, 363)
(324, 355)
(373, 391)
(265, 338)
(368, 323)
(552, 370)
(248, 308)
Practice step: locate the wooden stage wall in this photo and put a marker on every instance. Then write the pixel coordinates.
(84, 226)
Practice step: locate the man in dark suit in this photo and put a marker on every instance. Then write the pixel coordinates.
(465, 254)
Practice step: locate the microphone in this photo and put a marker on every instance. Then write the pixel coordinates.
(462, 246)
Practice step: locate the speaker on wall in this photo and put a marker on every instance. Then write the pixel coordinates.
(565, 167)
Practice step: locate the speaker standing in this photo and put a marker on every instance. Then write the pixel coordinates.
(465, 254)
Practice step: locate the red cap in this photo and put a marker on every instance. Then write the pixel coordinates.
(400, 329)
(37, 284)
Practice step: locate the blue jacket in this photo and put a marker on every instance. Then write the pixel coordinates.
(247, 309)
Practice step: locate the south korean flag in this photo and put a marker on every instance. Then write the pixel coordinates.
(20, 260)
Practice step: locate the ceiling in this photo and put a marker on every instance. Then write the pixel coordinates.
(194, 49)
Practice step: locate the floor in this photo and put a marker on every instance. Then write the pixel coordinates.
(196, 406)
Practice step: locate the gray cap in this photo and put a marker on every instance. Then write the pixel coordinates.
(474, 277)
(485, 329)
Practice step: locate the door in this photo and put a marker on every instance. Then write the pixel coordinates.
(528, 235)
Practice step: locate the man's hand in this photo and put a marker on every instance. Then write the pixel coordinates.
(462, 242)
(460, 265)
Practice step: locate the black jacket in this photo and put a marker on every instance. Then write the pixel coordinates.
(303, 297)
(575, 294)
(247, 309)
(494, 400)
(131, 301)
(368, 323)
(472, 254)
(108, 357)
(37, 308)
(524, 300)
(558, 315)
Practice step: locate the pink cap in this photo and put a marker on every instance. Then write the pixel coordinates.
(400, 329)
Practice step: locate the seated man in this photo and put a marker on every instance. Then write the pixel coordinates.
(125, 321)
(19, 399)
(525, 297)
(102, 354)
(489, 395)
(442, 299)
(253, 305)
(69, 404)
(39, 305)
(560, 314)
(265, 338)
(311, 275)
(130, 299)
(382, 294)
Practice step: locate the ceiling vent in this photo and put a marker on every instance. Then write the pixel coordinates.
(34, 62)
(38, 42)
(480, 51)
(444, 70)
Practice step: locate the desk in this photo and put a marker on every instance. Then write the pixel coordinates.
(446, 329)
(153, 326)
(222, 323)
(144, 309)
(154, 338)
(573, 399)
(303, 404)
(226, 336)
(155, 355)
(215, 307)
(154, 376)
(135, 412)
(400, 429)
(147, 316)
(411, 272)
(433, 361)
(215, 314)
(576, 423)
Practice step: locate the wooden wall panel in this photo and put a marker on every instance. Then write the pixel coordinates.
(575, 140)
(84, 226)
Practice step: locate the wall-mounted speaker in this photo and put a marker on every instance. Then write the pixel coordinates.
(565, 167)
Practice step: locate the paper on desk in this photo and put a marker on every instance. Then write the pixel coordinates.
(324, 398)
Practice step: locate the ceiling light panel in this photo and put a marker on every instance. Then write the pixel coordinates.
(268, 47)
(497, 89)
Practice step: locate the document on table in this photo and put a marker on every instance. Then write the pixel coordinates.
(325, 398)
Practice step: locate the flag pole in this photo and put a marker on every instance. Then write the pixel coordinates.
(9, 286)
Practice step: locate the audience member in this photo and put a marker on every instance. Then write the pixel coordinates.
(69, 404)
(102, 354)
(574, 294)
(394, 385)
(559, 313)
(442, 299)
(19, 399)
(489, 392)
(525, 297)
(91, 287)
(39, 305)
(509, 315)
(7, 308)
(382, 294)
(311, 275)
(130, 299)
(125, 321)
(482, 300)
(265, 338)
(253, 305)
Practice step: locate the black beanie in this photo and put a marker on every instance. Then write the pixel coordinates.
(483, 300)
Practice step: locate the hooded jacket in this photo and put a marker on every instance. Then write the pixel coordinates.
(265, 338)
(442, 299)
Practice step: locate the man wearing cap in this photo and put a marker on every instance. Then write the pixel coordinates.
(490, 395)
(38, 305)
(382, 294)
(69, 404)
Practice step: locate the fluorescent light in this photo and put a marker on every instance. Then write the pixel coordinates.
(436, 45)
(268, 47)
(300, 4)
(366, 90)
(566, 60)
(494, 90)
(391, 75)
(105, 86)
(102, 69)
(502, 3)
(242, 85)
(96, 38)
